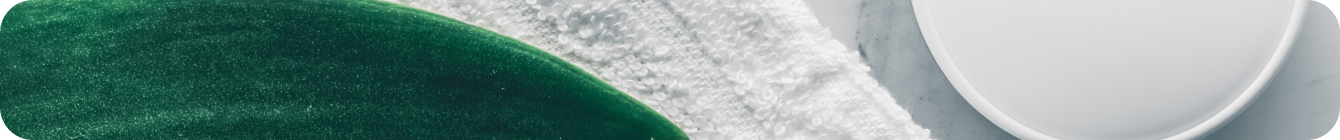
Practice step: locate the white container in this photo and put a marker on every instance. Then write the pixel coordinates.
(1092, 70)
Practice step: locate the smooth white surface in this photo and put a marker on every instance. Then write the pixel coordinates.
(1059, 69)
(750, 69)
(893, 46)
(1301, 102)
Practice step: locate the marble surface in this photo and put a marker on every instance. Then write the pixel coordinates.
(891, 43)
(1301, 102)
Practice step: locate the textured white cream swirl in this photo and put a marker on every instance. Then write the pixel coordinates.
(730, 69)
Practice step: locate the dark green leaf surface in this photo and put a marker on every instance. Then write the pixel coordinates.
(344, 69)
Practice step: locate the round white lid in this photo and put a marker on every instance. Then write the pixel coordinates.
(1131, 69)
